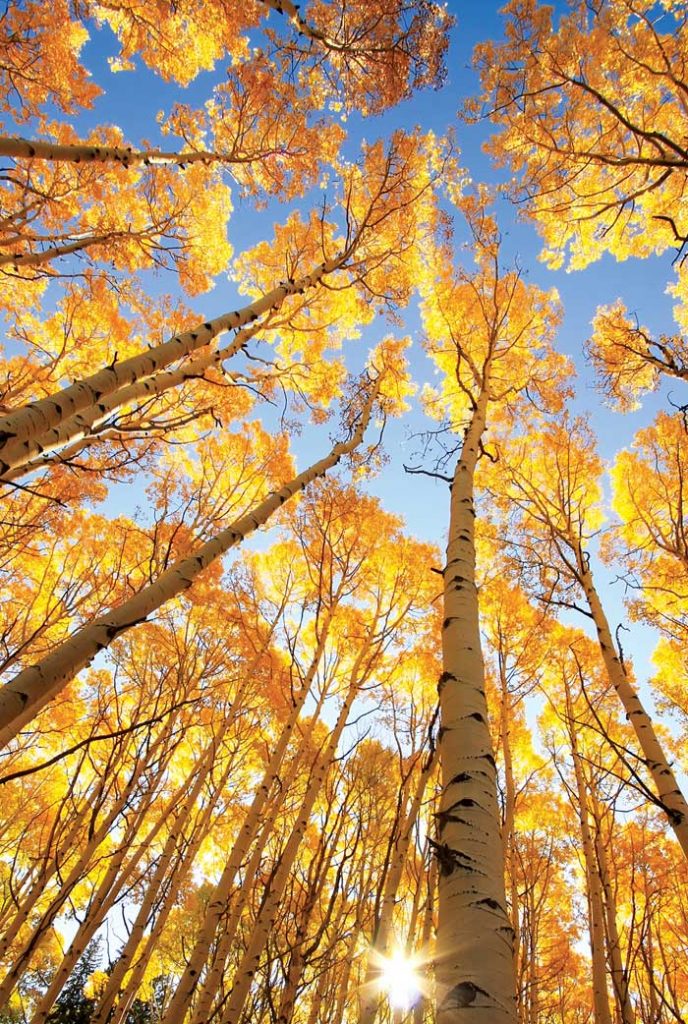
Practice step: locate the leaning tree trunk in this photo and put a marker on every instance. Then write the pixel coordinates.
(23, 697)
(474, 962)
(168, 869)
(263, 924)
(618, 973)
(41, 923)
(252, 825)
(42, 417)
(97, 153)
(81, 430)
(669, 792)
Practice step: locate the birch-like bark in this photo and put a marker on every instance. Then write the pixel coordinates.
(219, 900)
(76, 873)
(619, 975)
(23, 697)
(264, 922)
(27, 892)
(380, 947)
(54, 252)
(80, 430)
(303, 949)
(474, 964)
(117, 875)
(293, 12)
(164, 873)
(172, 867)
(508, 827)
(91, 153)
(41, 928)
(596, 924)
(669, 792)
(41, 417)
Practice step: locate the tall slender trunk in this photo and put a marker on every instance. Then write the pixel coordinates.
(474, 966)
(119, 872)
(81, 430)
(164, 872)
(508, 828)
(380, 947)
(219, 900)
(618, 974)
(263, 924)
(96, 153)
(23, 697)
(596, 923)
(668, 790)
(77, 871)
(302, 949)
(42, 417)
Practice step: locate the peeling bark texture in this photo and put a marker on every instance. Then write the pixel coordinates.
(668, 790)
(474, 960)
(39, 418)
(23, 697)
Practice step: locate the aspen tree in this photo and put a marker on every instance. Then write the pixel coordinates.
(333, 560)
(628, 360)
(619, 975)
(588, 107)
(484, 331)
(380, 946)
(379, 55)
(40, 929)
(594, 882)
(254, 823)
(261, 927)
(304, 946)
(22, 699)
(588, 729)
(517, 639)
(45, 415)
(557, 498)
(175, 862)
(386, 201)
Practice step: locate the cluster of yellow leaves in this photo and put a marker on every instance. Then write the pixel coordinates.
(649, 496)
(40, 44)
(589, 106)
(488, 329)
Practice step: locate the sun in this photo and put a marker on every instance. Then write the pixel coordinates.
(400, 980)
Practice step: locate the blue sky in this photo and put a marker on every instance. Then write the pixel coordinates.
(132, 101)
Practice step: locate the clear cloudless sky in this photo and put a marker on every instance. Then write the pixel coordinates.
(132, 101)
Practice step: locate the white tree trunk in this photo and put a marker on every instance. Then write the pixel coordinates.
(24, 696)
(666, 783)
(474, 962)
(41, 417)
